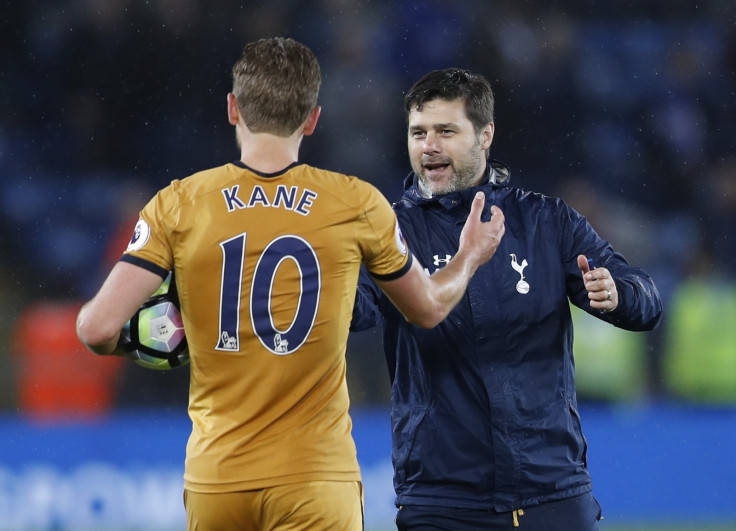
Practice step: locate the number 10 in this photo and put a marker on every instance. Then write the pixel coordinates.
(281, 342)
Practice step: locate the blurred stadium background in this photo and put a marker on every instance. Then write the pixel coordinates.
(624, 109)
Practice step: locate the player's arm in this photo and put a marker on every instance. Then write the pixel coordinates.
(100, 320)
(427, 300)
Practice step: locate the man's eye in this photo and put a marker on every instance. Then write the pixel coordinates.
(447, 132)
(417, 134)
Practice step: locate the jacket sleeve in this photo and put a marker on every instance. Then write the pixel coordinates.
(639, 307)
(366, 312)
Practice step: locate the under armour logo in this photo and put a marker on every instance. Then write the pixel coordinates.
(522, 286)
(438, 260)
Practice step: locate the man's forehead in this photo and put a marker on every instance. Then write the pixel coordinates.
(440, 111)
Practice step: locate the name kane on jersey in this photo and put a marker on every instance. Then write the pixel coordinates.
(289, 198)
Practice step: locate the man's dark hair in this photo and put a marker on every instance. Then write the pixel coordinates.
(453, 84)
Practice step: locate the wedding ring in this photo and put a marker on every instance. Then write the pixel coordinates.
(608, 294)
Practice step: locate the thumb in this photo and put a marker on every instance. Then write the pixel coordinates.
(583, 264)
(476, 208)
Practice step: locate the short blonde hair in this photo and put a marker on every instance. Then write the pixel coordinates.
(276, 83)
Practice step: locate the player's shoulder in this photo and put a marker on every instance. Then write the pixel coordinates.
(201, 182)
(329, 177)
(341, 186)
(209, 178)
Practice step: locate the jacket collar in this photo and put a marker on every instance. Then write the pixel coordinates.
(497, 175)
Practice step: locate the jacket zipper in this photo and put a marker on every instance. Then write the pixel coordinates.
(516, 514)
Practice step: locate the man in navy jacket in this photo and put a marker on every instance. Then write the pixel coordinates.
(485, 426)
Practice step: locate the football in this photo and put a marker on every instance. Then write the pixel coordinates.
(154, 337)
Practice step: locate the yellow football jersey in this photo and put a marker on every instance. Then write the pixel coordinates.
(266, 270)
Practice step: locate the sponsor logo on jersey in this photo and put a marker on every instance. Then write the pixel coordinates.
(141, 233)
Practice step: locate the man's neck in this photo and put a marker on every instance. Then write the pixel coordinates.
(269, 153)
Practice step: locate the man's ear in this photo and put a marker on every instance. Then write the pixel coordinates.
(311, 122)
(486, 136)
(233, 114)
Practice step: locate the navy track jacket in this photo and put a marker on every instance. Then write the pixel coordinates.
(484, 410)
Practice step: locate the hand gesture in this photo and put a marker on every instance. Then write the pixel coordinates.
(481, 239)
(601, 288)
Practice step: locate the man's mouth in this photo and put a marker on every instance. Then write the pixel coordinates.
(436, 166)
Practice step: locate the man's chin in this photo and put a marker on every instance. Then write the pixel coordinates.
(438, 188)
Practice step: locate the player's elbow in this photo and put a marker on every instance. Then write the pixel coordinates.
(426, 323)
(96, 336)
(427, 317)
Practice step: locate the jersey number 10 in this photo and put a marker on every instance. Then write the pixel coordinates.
(281, 342)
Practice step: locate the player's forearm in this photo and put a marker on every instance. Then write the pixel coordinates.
(426, 301)
(104, 349)
(101, 320)
(447, 287)
(478, 243)
(96, 336)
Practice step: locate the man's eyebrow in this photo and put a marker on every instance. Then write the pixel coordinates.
(447, 125)
(436, 126)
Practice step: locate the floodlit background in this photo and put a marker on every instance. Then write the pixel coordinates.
(624, 109)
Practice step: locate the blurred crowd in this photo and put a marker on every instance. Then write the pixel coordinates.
(624, 109)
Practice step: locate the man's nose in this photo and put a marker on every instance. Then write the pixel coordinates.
(431, 144)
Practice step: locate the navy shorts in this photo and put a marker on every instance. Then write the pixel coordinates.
(580, 513)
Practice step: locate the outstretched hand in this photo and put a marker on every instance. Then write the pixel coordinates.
(601, 288)
(427, 300)
(481, 239)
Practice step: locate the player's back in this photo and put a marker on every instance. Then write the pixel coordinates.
(266, 268)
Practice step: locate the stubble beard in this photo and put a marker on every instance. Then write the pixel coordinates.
(464, 174)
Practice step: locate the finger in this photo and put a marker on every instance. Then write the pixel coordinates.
(497, 215)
